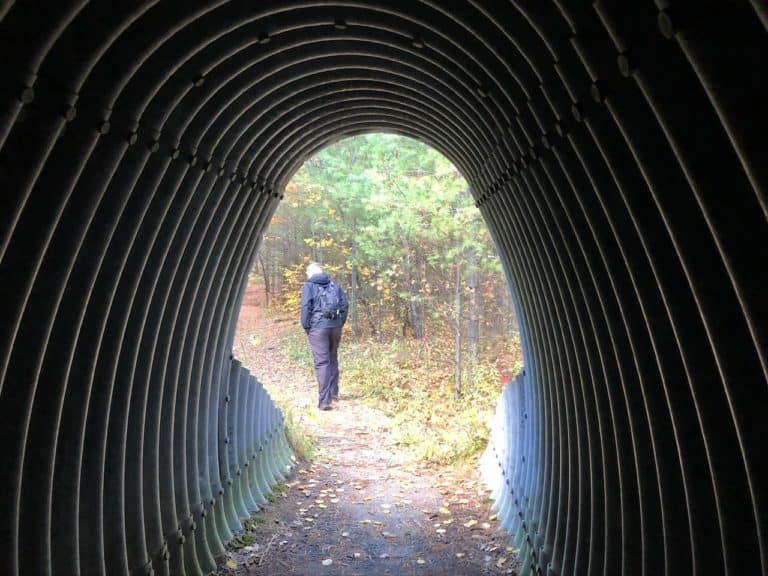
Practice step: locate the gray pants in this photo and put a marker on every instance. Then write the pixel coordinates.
(324, 343)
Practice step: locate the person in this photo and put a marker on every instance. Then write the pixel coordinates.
(324, 307)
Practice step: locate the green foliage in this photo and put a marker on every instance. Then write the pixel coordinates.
(241, 539)
(396, 217)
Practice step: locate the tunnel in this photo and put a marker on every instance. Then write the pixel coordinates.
(616, 151)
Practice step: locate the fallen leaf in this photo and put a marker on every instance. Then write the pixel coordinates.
(470, 523)
(444, 510)
(501, 561)
(492, 517)
(231, 564)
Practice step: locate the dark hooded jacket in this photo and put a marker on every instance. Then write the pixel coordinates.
(310, 313)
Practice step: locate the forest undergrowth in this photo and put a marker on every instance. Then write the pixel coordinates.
(411, 381)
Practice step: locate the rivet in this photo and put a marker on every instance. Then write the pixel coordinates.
(199, 81)
(221, 171)
(27, 95)
(666, 24)
(626, 68)
(233, 176)
(594, 91)
(207, 166)
(175, 152)
(132, 138)
(192, 159)
(576, 111)
(154, 146)
(340, 24)
(264, 38)
(203, 513)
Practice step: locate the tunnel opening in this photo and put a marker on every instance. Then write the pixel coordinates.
(615, 150)
(430, 317)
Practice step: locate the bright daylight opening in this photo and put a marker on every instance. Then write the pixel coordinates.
(430, 338)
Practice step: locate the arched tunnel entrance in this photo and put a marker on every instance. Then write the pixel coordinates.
(615, 152)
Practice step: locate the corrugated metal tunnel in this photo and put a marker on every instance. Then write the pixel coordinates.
(616, 150)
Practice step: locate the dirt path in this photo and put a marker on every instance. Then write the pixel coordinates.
(361, 506)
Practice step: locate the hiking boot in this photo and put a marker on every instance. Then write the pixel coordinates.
(325, 407)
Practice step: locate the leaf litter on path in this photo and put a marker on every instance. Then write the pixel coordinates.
(398, 516)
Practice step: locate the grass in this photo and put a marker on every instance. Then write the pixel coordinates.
(304, 446)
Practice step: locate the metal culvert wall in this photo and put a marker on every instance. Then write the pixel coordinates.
(616, 150)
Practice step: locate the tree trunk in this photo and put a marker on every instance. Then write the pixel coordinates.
(353, 291)
(265, 274)
(457, 327)
(473, 330)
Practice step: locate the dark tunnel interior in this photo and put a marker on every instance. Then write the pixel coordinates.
(615, 149)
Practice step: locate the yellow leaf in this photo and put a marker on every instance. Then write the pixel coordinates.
(444, 511)
(501, 561)
(470, 523)
(231, 564)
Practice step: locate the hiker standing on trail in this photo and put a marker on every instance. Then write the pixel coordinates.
(323, 313)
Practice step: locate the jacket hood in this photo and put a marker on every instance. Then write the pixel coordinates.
(319, 279)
